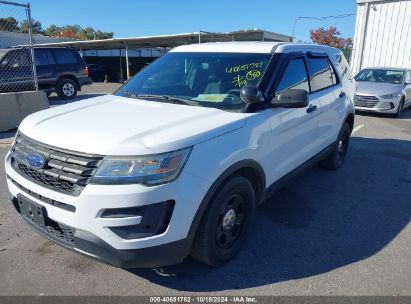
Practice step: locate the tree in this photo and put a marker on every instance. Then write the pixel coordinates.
(36, 27)
(76, 32)
(69, 31)
(87, 33)
(104, 35)
(330, 37)
(9, 24)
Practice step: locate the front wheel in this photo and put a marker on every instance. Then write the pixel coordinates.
(400, 107)
(224, 226)
(66, 89)
(336, 158)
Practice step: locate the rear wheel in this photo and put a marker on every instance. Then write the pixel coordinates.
(336, 158)
(66, 89)
(224, 226)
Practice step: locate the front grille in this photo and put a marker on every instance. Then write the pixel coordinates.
(64, 171)
(366, 101)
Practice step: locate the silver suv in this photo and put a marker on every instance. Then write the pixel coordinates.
(383, 90)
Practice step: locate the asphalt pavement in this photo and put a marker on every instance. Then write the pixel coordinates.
(326, 233)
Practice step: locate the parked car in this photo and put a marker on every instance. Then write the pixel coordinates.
(58, 69)
(97, 72)
(176, 161)
(383, 90)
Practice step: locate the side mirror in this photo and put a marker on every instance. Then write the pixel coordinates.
(295, 98)
(250, 94)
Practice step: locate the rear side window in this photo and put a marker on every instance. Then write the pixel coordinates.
(65, 56)
(294, 77)
(408, 79)
(344, 66)
(41, 57)
(322, 74)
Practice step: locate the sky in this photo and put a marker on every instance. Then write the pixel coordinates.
(128, 18)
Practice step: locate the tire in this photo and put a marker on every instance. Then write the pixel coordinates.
(66, 89)
(225, 223)
(400, 108)
(336, 158)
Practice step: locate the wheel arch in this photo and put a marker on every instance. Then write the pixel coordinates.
(71, 77)
(350, 120)
(249, 169)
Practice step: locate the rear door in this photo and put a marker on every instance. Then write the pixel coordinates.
(45, 67)
(328, 93)
(69, 62)
(293, 135)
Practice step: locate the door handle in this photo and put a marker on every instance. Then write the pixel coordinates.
(311, 108)
(342, 95)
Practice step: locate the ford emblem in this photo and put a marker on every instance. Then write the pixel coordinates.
(35, 160)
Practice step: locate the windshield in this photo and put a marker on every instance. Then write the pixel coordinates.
(202, 79)
(380, 75)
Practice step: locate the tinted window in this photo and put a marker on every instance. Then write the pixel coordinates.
(17, 58)
(322, 74)
(51, 57)
(294, 77)
(41, 57)
(344, 66)
(65, 56)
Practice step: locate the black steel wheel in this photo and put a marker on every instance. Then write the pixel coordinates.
(225, 224)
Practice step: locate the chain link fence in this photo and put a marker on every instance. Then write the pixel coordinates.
(17, 62)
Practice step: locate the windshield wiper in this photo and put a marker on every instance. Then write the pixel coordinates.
(164, 97)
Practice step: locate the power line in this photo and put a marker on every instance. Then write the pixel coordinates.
(319, 19)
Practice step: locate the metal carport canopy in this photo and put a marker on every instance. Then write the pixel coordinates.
(169, 41)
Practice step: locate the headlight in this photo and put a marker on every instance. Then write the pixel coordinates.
(391, 96)
(148, 170)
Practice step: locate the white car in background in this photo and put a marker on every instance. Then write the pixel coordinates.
(176, 161)
(383, 90)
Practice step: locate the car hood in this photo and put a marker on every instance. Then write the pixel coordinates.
(113, 125)
(377, 88)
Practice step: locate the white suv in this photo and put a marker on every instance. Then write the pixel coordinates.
(176, 161)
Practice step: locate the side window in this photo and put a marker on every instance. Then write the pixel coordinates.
(18, 58)
(322, 74)
(408, 79)
(41, 57)
(65, 56)
(294, 77)
(51, 57)
(344, 66)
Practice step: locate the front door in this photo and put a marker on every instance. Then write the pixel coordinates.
(293, 132)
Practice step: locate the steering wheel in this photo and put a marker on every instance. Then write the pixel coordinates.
(235, 92)
(235, 96)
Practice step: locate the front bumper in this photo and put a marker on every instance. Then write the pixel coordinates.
(89, 245)
(94, 234)
(384, 106)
